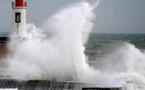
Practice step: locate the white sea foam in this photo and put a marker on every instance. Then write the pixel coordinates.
(124, 66)
(56, 49)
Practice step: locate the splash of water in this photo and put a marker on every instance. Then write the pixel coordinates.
(56, 49)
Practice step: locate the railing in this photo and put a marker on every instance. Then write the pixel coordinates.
(51, 85)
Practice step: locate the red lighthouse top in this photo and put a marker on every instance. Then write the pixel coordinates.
(20, 3)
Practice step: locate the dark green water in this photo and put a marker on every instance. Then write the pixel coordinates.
(101, 44)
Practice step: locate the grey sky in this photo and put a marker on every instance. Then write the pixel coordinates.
(117, 16)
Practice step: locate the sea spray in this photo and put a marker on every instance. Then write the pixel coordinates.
(56, 49)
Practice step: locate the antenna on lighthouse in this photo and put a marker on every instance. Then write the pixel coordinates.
(19, 16)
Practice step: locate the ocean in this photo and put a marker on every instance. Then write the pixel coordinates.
(100, 44)
(119, 58)
(116, 52)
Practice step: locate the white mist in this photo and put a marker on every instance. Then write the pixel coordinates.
(56, 49)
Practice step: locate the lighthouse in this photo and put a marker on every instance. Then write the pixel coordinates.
(19, 16)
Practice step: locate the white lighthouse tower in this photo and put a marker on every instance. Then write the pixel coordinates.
(19, 16)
